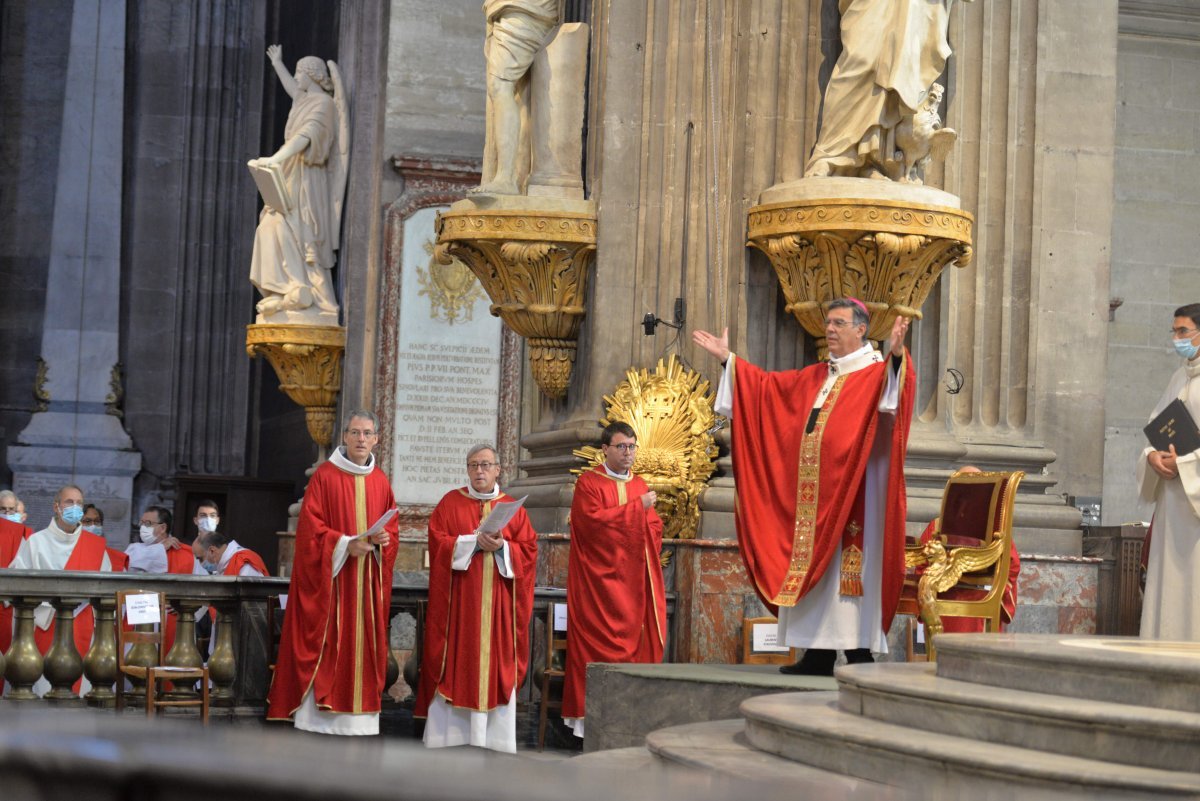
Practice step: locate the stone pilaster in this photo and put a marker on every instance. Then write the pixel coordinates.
(77, 435)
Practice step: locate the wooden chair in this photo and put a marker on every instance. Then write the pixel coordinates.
(974, 532)
(156, 674)
(556, 663)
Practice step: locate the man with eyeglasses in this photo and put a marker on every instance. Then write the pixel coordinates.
(476, 647)
(818, 459)
(64, 545)
(1171, 481)
(13, 511)
(616, 600)
(333, 649)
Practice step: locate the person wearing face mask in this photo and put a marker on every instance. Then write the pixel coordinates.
(13, 511)
(1171, 481)
(93, 523)
(64, 545)
(156, 551)
(221, 555)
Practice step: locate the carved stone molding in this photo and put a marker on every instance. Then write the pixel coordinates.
(887, 254)
(534, 265)
(308, 361)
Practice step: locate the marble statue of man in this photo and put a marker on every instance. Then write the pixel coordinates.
(892, 52)
(516, 31)
(294, 247)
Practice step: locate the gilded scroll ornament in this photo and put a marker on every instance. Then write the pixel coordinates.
(671, 409)
(308, 361)
(534, 266)
(942, 571)
(886, 253)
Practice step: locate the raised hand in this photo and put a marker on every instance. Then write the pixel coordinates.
(717, 346)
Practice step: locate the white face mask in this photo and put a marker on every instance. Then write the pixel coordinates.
(208, 524)
(147, 534)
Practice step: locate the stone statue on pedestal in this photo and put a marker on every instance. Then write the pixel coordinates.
(517, 30)
(304, 189)
(892, 52)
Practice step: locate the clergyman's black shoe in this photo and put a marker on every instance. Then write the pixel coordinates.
(859, 656)
(815, 662)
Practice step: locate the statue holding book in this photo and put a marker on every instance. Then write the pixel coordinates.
(303, 185)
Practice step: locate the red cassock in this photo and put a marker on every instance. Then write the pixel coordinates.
(11, 536)
(88, 554)
(800, 495)
(476, 648)
(335, 632)
(1008, 603)
(616, 601)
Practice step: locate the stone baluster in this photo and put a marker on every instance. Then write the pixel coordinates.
(222, 665)
(23, 660)
(64, 664)
(183, 653)
(100, 663)
(392, 674)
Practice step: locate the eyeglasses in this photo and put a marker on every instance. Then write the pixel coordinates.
(482, 465)
(357, 434)
(840, 323)
(1180, 333)
(625, 447)
(149, 523)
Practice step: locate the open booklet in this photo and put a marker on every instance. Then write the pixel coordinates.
(500, 515)
(379, 524)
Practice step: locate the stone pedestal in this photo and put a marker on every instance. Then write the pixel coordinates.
(532, 256)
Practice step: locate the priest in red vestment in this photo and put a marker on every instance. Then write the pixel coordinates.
(333, 649)
(818, 460)
(476, 648)
(616, 600)
(12, 538)
(64, 545)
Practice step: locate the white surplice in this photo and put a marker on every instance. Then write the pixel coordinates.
(1171, 606)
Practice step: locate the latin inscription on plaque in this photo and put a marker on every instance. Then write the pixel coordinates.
(447, 371)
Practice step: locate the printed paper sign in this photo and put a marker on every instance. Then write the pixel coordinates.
(560, 617)
(142, 608)
(766, 639)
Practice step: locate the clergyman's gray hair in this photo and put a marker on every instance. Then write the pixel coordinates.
(856, 307)
(363, 413)
(483, 446)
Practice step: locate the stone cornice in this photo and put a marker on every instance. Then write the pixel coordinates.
(1160, 19)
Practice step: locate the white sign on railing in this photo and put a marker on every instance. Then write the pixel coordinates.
(142, 608)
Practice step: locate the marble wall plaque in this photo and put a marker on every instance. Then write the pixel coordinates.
(447, 369)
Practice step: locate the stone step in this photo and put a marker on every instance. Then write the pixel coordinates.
(812, 729)
(721, 746)
(1123, 670)
(913, 695)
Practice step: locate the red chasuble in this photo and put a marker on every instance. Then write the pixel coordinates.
(118, 560)
(11, 536)
(335, 632)
(88, 554)
(476, 647)
(1008, 603)
(616, 601)
(797, 493)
